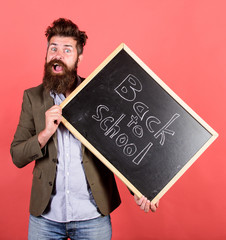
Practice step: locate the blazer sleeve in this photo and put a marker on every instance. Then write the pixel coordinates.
(25, 147)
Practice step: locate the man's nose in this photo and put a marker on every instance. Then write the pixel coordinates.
(58, 55)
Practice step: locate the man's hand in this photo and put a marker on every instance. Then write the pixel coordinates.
(145, 204)
(53, 118)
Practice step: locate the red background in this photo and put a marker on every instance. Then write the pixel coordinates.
(183, 42)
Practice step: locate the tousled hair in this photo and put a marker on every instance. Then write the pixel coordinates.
(66, 28)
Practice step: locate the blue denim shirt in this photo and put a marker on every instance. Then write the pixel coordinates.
(72, 199)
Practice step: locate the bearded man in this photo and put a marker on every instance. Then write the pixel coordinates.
(73, 193)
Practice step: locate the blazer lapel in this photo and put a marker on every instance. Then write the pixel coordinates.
(48, 100)
(48, 103)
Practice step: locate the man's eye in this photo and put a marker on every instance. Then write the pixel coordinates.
(53, 49)
(67, 50)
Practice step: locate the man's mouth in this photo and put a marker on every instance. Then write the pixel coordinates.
(57, 68)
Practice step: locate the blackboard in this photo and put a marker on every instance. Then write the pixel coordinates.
(136, 125)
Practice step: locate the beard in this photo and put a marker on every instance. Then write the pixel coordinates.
(61, 82)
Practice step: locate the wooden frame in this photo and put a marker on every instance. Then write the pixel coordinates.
(178, 100)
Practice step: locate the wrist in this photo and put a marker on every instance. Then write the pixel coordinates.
(43, 138)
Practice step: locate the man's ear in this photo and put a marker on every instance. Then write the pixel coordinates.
(80, 57)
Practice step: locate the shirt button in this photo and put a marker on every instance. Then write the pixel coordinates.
(68, 191)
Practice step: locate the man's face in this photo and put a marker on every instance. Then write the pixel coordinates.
(60, 73)
(64, 49)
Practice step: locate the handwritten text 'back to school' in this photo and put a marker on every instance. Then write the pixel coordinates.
(129, 90)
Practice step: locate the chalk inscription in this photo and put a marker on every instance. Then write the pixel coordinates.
(128, 90)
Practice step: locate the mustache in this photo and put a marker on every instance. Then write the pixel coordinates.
(56, 63)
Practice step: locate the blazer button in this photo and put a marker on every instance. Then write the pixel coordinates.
(50, 184)
(55, 160)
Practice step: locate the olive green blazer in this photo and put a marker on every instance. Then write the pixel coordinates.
(25, 148)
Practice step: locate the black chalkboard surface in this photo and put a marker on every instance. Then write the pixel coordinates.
(136, 125)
